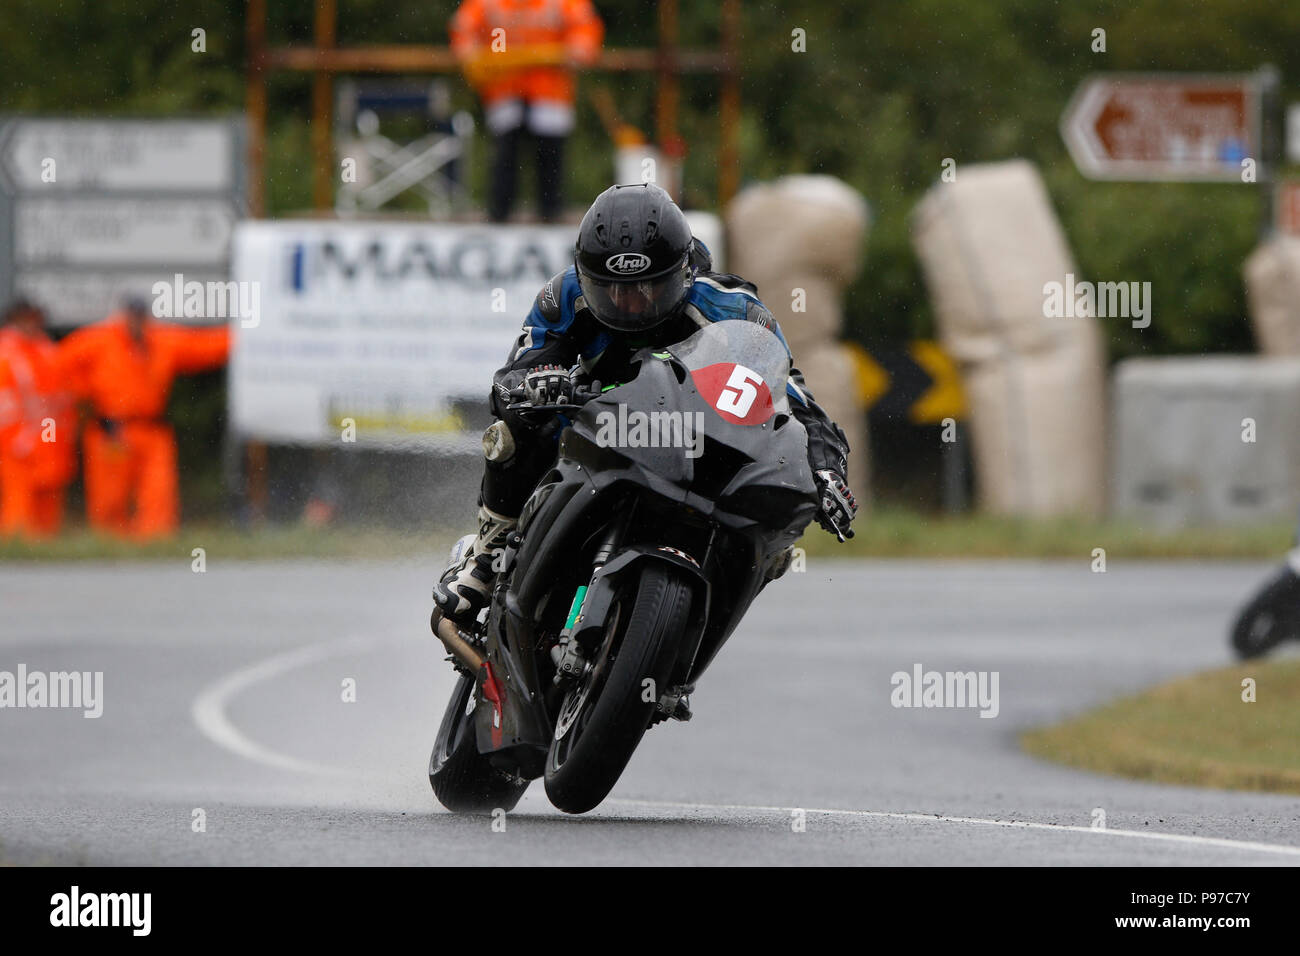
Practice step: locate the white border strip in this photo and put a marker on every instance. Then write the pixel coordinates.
(1185, 838)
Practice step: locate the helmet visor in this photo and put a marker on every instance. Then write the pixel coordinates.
(634, 306)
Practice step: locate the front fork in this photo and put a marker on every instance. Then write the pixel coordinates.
(568, 655)
(585, 624)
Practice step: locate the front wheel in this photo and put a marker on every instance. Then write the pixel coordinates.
(462, 778)
(601, 720)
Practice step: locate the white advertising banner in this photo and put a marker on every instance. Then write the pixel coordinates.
(384, 333)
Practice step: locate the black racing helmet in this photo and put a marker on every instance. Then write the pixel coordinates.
(633, 257)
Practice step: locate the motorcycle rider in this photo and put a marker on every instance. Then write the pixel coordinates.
(639, 279)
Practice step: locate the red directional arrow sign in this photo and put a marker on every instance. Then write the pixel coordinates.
(1163, 126)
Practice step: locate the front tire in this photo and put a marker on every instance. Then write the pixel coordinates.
(603, 719)
(462, 778)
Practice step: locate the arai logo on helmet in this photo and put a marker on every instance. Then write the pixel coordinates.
(628, 263)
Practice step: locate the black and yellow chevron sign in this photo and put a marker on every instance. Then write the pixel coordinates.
(918, 383)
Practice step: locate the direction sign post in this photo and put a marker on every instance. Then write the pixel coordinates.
(1288, 207)
(1270, 136)
(1293, 132)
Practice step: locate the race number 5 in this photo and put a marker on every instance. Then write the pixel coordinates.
(737, 396)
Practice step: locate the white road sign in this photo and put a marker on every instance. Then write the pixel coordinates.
(104, 232)
(90, 208)
(78, 296)
(47, 154)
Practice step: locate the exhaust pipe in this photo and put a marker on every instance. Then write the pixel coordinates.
(459, 648)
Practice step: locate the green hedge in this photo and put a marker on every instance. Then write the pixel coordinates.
(883, 93)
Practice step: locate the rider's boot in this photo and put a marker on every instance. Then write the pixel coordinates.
(466, 585)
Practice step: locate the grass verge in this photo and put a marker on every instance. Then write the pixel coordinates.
(228, 542)
(893, 533)
(1196, 731)
(885, 533)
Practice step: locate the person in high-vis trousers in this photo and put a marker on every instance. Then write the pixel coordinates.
(37, 427)
(123, 369)
(521, 56)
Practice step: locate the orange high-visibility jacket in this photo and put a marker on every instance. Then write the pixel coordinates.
(125, 381)
(37, 430)
(571, 25)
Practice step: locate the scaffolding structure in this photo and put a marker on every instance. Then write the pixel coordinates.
(324, 59)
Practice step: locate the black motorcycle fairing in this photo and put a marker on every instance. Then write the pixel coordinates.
(511, 720)
(565, 500)
(771, 453)
(724, 518)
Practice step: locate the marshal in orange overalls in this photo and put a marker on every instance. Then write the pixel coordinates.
(124, 368)
(525, 49)
(37, 430)
(520, 55)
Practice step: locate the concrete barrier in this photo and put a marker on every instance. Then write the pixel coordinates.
(1207, 440)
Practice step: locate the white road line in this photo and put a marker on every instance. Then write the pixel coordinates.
(209, 707)
(1188, 838)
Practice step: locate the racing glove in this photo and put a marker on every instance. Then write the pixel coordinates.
(548, 385)
(837, 506)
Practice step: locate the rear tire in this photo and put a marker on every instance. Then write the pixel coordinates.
(607, 720)
(462, 778)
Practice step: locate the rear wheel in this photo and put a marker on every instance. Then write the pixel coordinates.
(462, 778)
(602, 720)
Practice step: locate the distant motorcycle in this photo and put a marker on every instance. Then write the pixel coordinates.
(1271, 617)
(631, 566)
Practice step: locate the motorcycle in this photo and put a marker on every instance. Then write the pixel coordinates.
(633, 562)
(1270, 618)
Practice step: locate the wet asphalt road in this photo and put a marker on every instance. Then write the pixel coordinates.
(223, 694)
